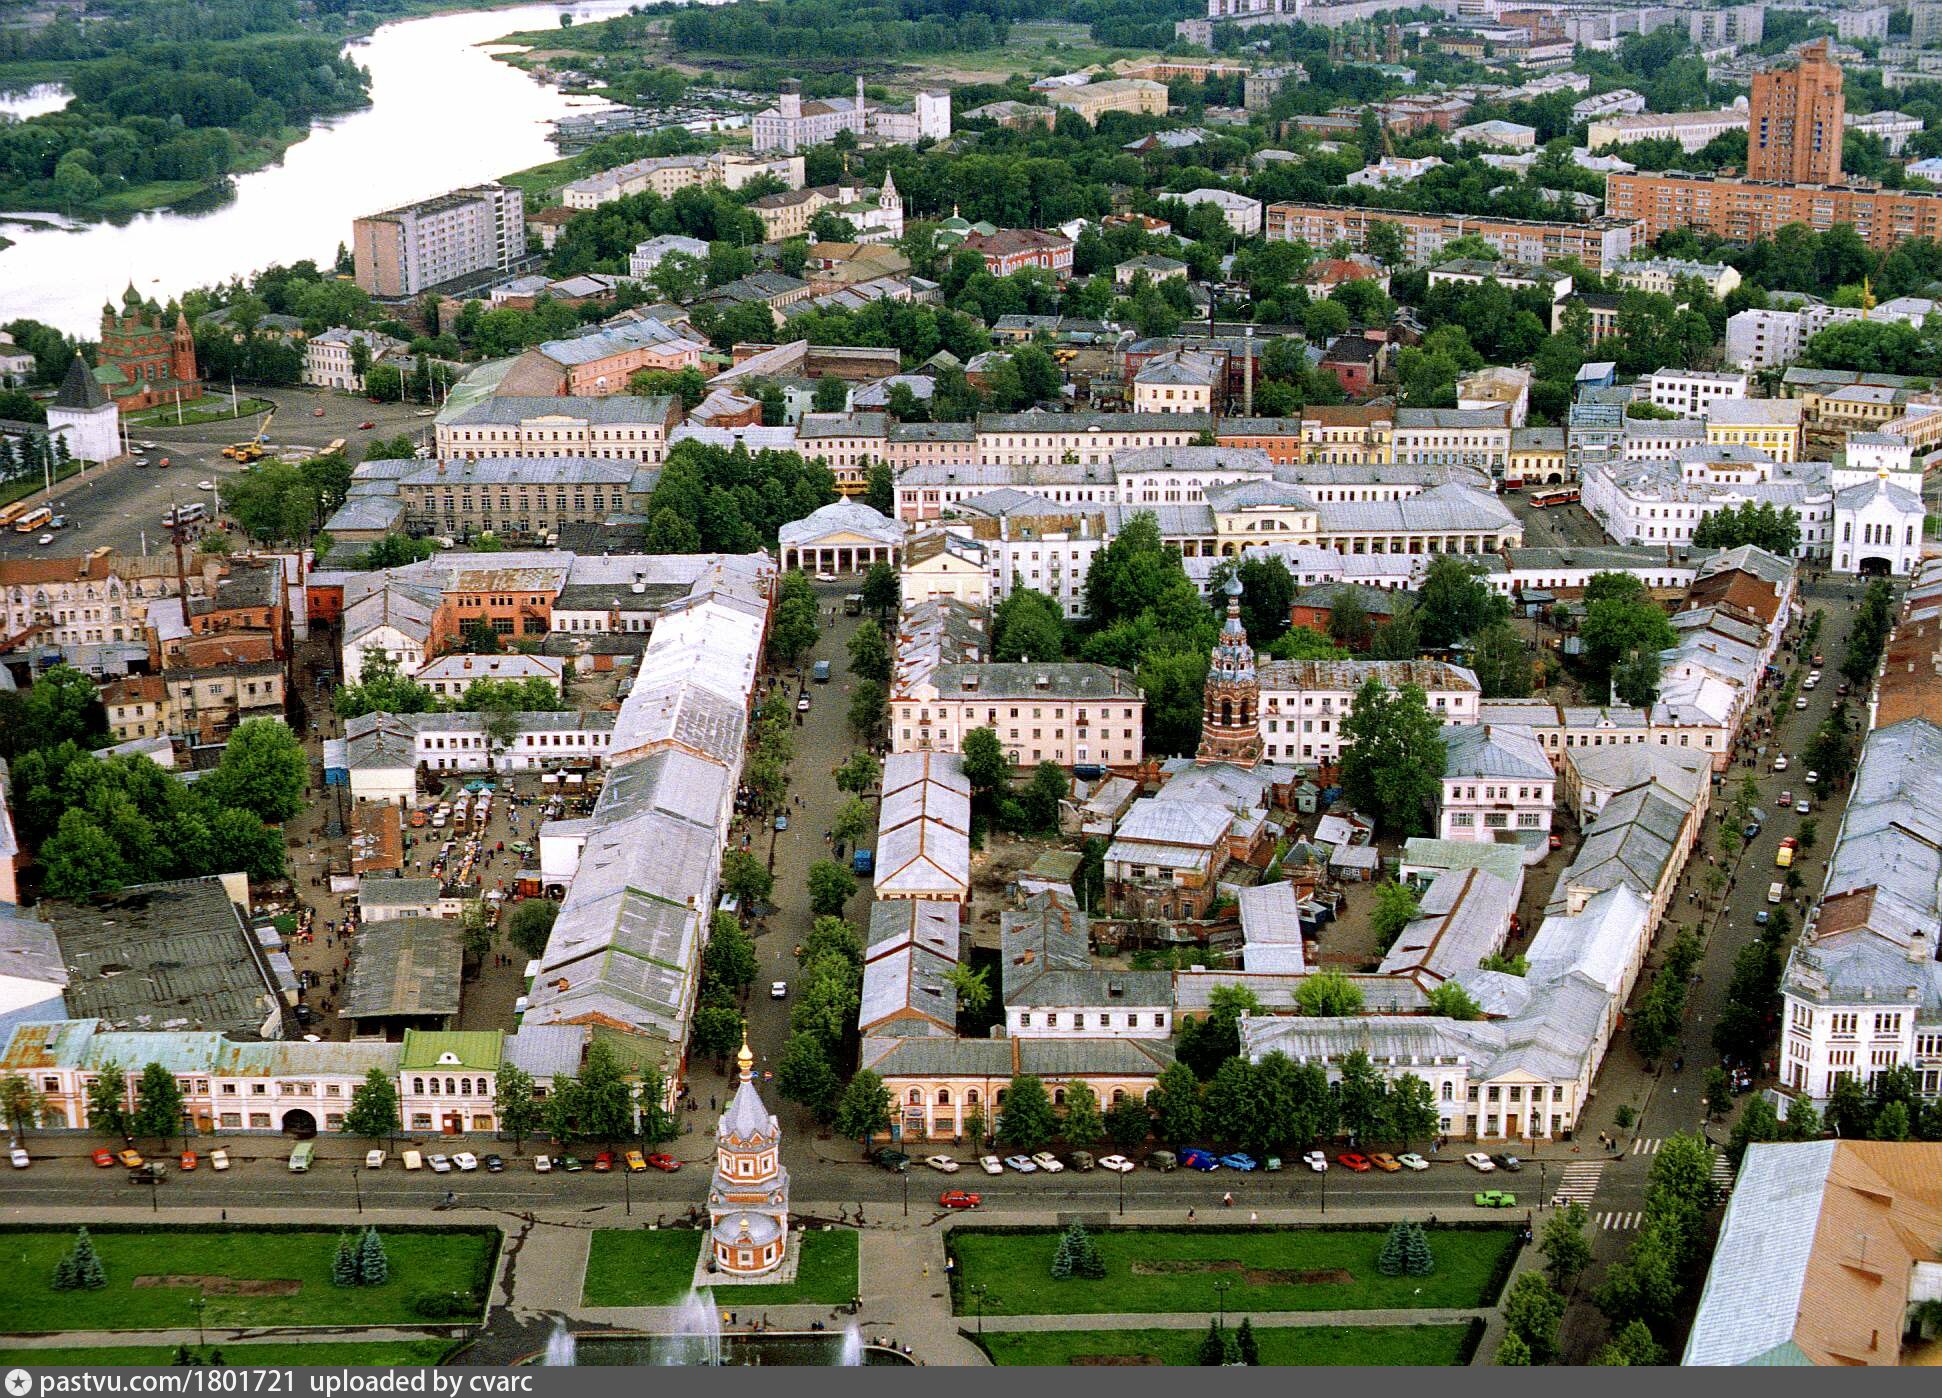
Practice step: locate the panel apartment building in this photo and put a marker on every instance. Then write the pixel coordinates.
(1599, 243)
(404, 251)
(1745, 210)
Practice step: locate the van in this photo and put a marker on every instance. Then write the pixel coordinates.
(1775, 892)
(819, 672)
(1783, 857)
(853, 604)
(412, 1160)
(1161, 1160)
(301, 1157)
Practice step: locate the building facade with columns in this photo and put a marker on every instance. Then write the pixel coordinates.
(846, 537)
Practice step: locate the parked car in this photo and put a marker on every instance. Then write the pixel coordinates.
(778, 990)
(1803, 806)
(1384, 1162)
(1495, 1199)
(1508, 1163)
(1080, 1160)
(782, 822)
(1800, 701)
(1477, 1160)
(1350, 1160)
(1315, 1161)
(366, 426)
(374, 1160)
(603, 1162)
(104, 1158)
(219, 1159)
(1412, 1161)
(439, 1164)
(1813, 777)
(1022, 1164)
(636, 1162)
(663, 1162)
(20, 1158)
(1048, 1162)
(571, 1164)
(1162, 1160)
(1760, 918)
(466, 1161)
(802, 704)
(152, 1173)
(959, 1199)
(131, 1158)
(1241, 1161)
(1118, 1164)
(943, 1164)
(1198, 1160)
(991, 1165)
(493, 1163)
(1817, 661)
(1786, 799)
(1780, 763)
(1557, 842)
(542, 1164)
(412, 1160)
(893, 1160)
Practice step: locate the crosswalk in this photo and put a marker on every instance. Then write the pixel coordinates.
(1579, 1182)
(1647, 1145)
(1621, 1222)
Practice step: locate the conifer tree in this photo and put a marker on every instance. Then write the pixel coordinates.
(89, 1274)
(64, 1279)
(1390, 1260)
(373, 1267)
(1418, 1260)
(1213, 1347)
(1245, 1345)
(343, 1269)
(1062, 1259)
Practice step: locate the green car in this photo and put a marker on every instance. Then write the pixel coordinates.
(1495, 1199)
(571, 1164)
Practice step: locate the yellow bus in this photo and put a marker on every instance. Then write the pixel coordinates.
(32, 520)
(13, 512)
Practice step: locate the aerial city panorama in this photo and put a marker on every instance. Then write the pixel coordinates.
(888, 683)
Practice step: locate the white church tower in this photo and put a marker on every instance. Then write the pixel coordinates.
(84, 416)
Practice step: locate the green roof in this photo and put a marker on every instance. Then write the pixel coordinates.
(477, 1049)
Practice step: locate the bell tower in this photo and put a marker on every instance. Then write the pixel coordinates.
(1230, 719)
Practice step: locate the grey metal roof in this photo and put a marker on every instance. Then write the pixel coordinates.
(1024, 680)
(898, 922)
(547, 1051)
(512, 410)
(905, 982)
(1444, 507)
(408, 967)
(380, 892)
(1192, 824)
(1464, 916)
(1492, 751)
(1347, 676)
(531, 471)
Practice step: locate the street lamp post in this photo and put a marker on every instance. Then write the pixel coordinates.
(201, 1299)
(357, 1187)
(1120, 1175)
(1220, 1299)
(905, 1172)
(627, 1185)
(981, 1294)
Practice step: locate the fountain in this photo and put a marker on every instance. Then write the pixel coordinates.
(850, 1356)
(697, 1335)
(559, 1347)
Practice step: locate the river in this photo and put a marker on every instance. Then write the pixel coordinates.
(443, 113)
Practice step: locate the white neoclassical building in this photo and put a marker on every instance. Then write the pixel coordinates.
(846, 537)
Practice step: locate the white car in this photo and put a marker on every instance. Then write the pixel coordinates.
(1048, 1162)
(542, 1164)
(219, 1159)
(1780, 763)
(1801, 702)
(1412, 1161)
(440, 1165)
(1022, 1163)
(19, 1158)
(825, 577)
(1118, 1164)
(779, 990)
(205, 485)
(1479, 1162)
(1803, 806)
(374, 1160)
(1813, 676)
(943, 1164)
(1315, 1161)
(466, 1160)
(45, 539)
(991, 1165)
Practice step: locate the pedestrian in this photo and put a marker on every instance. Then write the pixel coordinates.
(1190, 1214)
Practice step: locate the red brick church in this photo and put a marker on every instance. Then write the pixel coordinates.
(140, 364)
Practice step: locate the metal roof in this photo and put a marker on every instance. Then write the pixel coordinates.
(407, 967)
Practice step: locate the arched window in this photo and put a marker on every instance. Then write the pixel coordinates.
(943, 1096)
(1058, 1097)
(1000, 1099)
(434, 1087)
(450, 1091)
(418, 1086)
(465, 1086)
(971, 1097)
(1449, 1091)
(916, 1097)
(1119, 1095)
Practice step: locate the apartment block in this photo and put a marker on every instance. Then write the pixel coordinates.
(1069, 713)
(1597, 244)
(1795, 120)
(468, 232)
(1744, 210)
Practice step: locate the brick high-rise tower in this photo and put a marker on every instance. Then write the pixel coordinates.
(1230, 722)
(1794, 124)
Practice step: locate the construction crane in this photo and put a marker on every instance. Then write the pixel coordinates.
(252, 450)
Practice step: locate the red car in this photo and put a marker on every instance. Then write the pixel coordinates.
(604, 1161)
(104, 1158)
(316, 412)
(1817, 661)
(1557, 842)
(959, 1199)
(1349, 1160)
(366, 426)
(664, 1162)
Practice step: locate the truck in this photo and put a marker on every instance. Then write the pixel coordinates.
(252, 450)
(863, 861)
(820, 672)
(853, 604)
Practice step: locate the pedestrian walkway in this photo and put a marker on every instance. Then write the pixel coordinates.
(1647, 1145)
(1197, 1320)
(1722, 1175)
(1620, 1222)
(1580, 1182)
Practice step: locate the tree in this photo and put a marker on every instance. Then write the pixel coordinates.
(530, 924)
(882, 592)
(972, 987)
(1409, 1111)
(343, 1268)
(832, 395)
(1623, 624)
(795, 629)
(1026, 1119)
(1644, 1284)
(1566, 1249)
(1392, 754)
(868, 706)
(1389, 1261)
(1213, 1347)
(1128, 1123)
(373, 1267)
(374, 1106)
(831, 887)
(1176, 1103)
(729, 959)
(1456, 603)
(1044, 795)
(1328, 995)
(805, 1077)
(21, 1105)
(864, 1109)
(1245, 1343)
(881, 493)
(1396, 907)
(853, 821)
(860, 773)
(1533, 1310)
(746, 879)
(1503, 666)
(519, 1110)
(1083, 1125)
(1513, 1353)
(158, 1103)
(1632, 1347)
(263, 770)
(82, 1266)
(869, 652)
(1453, 1001)
(605, 1102)
(985, 767)
(1027, 625)
(475, 929)
(108, 1100)
(718, 1031)
(1361, 1096)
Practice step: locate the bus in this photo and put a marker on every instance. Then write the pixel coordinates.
(32, 520)
(1560, 495)
(13, 512)
(335, 446)
(184, 514)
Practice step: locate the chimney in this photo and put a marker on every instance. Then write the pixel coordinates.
(1575, 898)
(1919, 949)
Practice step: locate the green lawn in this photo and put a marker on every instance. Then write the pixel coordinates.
(421, 1263)
(1266, 1266)
(376, 1352)
(639, 1267)
(211, 409)
(1422, 1345)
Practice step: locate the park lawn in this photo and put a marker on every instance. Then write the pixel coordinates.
(1265, 1267)
(420, 1263)
(641, 1267)
(1288, 1345)
(214, 408)
(349, 1352)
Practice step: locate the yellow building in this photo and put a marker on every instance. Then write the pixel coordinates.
(1770, 426)
(1091, 100)
(1537, 456)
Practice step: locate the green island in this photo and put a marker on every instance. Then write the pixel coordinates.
(654, 1267)
(1151, 1270)
(157, 1280)
(1281, 1346)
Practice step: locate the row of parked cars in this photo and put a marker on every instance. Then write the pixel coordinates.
(1191, 1158)
(144, 1171)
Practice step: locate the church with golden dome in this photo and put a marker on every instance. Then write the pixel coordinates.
(748, 1198)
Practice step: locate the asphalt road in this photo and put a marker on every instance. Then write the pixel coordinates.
(121, 506)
